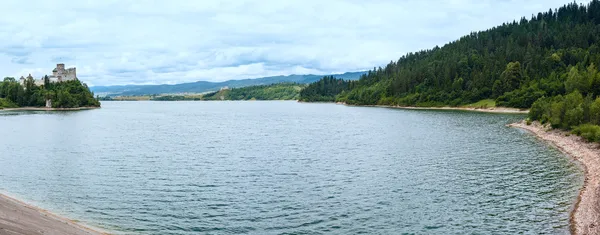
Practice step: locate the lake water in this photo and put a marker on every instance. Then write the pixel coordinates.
(286, 168)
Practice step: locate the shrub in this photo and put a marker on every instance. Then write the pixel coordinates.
(595, 112)
(588, 131)
(540, 108)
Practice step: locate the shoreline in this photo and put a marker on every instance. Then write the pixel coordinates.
(46, 109)
(483, 110)
(585, 215)
(19, 217)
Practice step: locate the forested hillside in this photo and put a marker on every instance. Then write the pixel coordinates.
(280, 91)
(553, 53)
(324, 90)
(548, 63)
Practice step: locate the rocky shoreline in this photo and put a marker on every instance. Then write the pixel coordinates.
(484, 110)
(585, 216)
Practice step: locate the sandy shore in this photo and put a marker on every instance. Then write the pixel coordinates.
(485, 110)
(585, 217)
(46, 109)
(17, 217)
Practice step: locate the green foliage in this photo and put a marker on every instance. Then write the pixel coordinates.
(595, 112)
(104, 98)
(510, 79)
(4, 103)
(171, 98)
(69, 94)
(571, 112)
(279, 91)
(573, 117)
(540, 110)
(521, 98)
(553, 53)
(324, 90)
(589, 132)
(557, 113)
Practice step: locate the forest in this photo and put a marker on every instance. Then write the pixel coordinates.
(324, 90)
(277, 91)
(68, 94)
(549, 61)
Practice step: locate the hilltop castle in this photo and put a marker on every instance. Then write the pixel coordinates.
(59, 74)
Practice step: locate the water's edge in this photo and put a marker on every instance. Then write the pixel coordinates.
(584, 215)
(27, 214)
(505, 110)
(47, 109)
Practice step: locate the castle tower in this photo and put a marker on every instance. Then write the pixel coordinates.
(60, 67)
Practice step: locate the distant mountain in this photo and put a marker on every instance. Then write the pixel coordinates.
(202, 86)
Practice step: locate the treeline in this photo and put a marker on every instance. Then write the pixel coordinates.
(173, 98)
(68, 94)
(277, 91)
(576, 111)
(324, 90)
(515, 64)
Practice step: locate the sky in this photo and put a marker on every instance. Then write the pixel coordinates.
(117, 42)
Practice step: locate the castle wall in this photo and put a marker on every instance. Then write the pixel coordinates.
(59, 74)
(70, 74)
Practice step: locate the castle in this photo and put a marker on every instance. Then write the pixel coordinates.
(59, 74)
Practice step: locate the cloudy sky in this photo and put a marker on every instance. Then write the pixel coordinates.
(115, 42)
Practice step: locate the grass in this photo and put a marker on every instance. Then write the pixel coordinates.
(487, 103)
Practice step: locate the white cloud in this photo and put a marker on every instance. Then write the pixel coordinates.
(149, 42)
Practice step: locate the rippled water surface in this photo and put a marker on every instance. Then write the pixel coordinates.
(286, 168)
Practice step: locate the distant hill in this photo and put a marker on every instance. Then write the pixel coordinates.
(202, 86)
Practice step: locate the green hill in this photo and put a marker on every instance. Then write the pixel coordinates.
(203, 86)
(515, 64)
(278, 91)
(549, 63)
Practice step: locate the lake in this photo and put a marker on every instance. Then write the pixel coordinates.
(283, 167)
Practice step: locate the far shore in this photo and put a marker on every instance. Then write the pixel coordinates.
(46, 109)
(484, 110)
(585, 216)
(18, 217)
